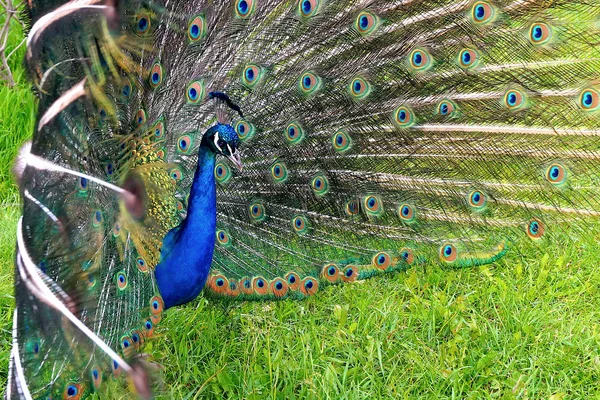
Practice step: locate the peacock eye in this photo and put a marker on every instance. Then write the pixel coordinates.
(222, 144)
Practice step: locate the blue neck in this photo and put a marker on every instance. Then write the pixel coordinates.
(187, 249)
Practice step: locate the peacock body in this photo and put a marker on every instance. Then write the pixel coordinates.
(373, 135)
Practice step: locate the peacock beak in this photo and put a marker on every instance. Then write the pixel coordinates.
(236, 160)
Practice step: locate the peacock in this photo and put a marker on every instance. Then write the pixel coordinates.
(267, 149)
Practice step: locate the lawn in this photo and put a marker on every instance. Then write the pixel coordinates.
(525, 327)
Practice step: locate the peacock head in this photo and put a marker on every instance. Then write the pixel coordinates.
(223, 139)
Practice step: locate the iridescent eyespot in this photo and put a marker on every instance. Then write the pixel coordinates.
(116, 229)
(148, 328)
(72, 391)
(406, 212)
(279, 287)
(125, 88)
(293, 280)
(382, 260)
(320, 185)
(251, 75)
(331, 272)
(82, 183)
(446, 108)
(359, 88)
(372, 205)
(142, 23)
(477, 200)
(366, 22)
(97, 218)
(300, 224)
(420, 59)
(309, 286)
(404, 117)
(293, 133)
(589, 100)
(257, 212)
(197, 28)
(482, 12)
(308, 8)
(184, 144)
(219, 283)
(140, 117)
(341, 141)
(349, 274)
(246, 285)
(260, 286)
(556, 174)
(352, 208)
(407, 255)
(448, 253)
(158, 130)
(222, 173)
(194, 92)
(539, 33)
(535, 229)
(468, 58)
(121, 280)
(244, 129)
(244, 8)
(309, 83)
(279, 172)
(157, 307)
(176, 174)
(96, 375)
(156, 75)
(141, 264)
(223, 237)
(514, 99)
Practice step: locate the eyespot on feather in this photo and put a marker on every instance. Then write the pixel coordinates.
(535, 229)
(244, 129)
(331, 272)
(251, 75)
(156, 75)
(257, 212)
(482, 12)
(309, 83)
(244, 8)
(359, 88)
(420, 59)
(514, 99)
(404, 117)
(222, 173)
(341, 141)
(279, 287)
(293, 280)
(293, 133)
(556, 174)
(366, 23)
(372, 205)
(350, 273)
(406, 212)
(382, 260)
(194, 92)
(197, 28)
(300, 224)
(407, 255)
(320, 185)
(72, 391)
(352, 208)
(279, 172)
(223, 237)
(309, 286)
(477, 200)
(448, 253)
(539, 33)
(589, 100)
(260, 285)
(468, 58)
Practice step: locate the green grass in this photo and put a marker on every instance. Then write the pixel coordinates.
(527, 327)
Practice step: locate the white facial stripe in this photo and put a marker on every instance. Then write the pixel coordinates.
(229, 148)
(217, 142)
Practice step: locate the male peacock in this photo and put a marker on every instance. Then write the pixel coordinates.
(373, 135)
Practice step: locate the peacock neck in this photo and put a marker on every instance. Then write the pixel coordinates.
(188, 248)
